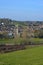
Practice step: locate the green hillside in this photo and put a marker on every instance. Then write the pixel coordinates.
(30, 56)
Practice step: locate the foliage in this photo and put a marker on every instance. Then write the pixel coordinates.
(41, 34)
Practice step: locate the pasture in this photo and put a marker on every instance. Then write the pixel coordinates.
(30, 56)
(21, 40)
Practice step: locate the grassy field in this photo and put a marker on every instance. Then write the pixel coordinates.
(20, 40)
(11, 41)
(37, 40)
(30, 56)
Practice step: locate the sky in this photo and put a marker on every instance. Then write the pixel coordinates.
(24, 10)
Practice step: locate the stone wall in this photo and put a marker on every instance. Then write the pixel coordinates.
(9, 48)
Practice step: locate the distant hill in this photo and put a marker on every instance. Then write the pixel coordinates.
(7, 21)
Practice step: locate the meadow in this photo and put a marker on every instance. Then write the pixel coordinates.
(21, 40)
(30, 56)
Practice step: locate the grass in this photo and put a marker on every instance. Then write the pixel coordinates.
(11, 41)
(20, 40)
(30, 56)
(37, 40)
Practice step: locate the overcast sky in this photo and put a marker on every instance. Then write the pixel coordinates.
(21, 9)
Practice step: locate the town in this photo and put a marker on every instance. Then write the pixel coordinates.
(20, 29)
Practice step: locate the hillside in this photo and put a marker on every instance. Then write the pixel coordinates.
(30, 56)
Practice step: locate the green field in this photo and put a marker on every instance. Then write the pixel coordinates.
(37, 40)
(30, 56)
(11, 41)
(21, 40)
